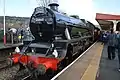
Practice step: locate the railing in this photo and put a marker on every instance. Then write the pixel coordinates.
(12, 38)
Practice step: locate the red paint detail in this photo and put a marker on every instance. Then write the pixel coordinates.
(15, 58)
(100, 16)
(4, 39)
(49, 63)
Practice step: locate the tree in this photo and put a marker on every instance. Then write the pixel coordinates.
(44, 3)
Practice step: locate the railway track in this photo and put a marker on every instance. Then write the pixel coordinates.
(3, 64)
(8, 72)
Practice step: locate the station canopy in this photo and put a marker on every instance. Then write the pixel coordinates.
(106, 20)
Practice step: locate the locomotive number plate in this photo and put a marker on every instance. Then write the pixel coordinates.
(40, 19)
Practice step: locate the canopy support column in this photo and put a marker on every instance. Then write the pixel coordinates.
(115, 24)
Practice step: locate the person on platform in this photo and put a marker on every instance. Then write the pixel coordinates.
(118, 47)
(104, 36)
(13, 33)
(27, 36)
(111, 45)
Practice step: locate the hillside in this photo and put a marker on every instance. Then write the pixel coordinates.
(14, 22)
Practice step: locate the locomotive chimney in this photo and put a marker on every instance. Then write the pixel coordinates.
(54, 5)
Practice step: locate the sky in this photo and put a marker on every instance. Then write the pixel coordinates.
(86, 9)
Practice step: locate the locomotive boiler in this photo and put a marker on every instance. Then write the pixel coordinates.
(58, 38)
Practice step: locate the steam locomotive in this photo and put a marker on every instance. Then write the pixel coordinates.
(58, 38)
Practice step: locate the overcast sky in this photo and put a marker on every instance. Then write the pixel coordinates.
(86, 9)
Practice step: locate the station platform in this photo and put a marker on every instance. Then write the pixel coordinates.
(92, 65)
(2, 46)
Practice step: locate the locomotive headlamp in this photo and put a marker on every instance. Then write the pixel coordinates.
(17, 49)
(41, 69)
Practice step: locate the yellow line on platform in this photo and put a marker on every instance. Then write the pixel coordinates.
(91, 71)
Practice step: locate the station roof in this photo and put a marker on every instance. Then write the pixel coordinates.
(104, 20)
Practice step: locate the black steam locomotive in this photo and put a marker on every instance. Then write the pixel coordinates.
(58, 38)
